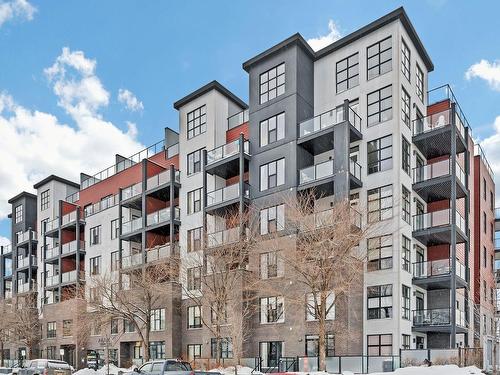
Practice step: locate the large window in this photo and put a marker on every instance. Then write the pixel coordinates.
(51, 330)
(225, 347)
(405, 295)
(197, 122)
(405, 204)
(193, 351)
(380, 203)
(156, 351)
(405, 253)
(379, 105)
(67, 328)
(115, 228)
(272, 83)
(115, 261)
(405, 60)
(18, 213)
(194, 278)
(420, 83)
(128, 326)
(405, 107)
(194, 317)
(44, 200)
(157, 320)
(379, 345)
(379, 301)
(272, 129)
(272, 219)
(348, 73)
(194, 201)
(272, 310)
(272, 174)
(194, 239)
(313, 307)
(405, 342)
(194, 162)
(95, 235)
(405, 155)
(380, 253)
(379, 58)
(95, 265)
(312, 345)
(271, 265)
(379, 154)
(114, 326)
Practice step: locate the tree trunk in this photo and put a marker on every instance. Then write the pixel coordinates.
(1, 354)
(145, 343)
(322, 332)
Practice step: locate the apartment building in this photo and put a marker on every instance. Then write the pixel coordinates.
(355, 120)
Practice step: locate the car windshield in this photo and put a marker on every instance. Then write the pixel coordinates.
(5, 370)
(178, 366)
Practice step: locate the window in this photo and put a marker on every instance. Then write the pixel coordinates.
(312, 345)
(158, 320)
(379, 58)
(272, 83)
(197, 122)
(313, 307)
(51, 352)
(379, 301)
(272, 219)
(44, 200)
(380, 253)
(420, 83)
(115, 228)
(194, 162)
(484, 256)
(107, 202)
(272, 129)
(405, 203)
(348, 73)
(193, 351)
(270, 265)
(379, 345)
(18, 213)
(67, 326)
(271, 310)
(88, 210)
(95, 265)
(405, 295)
(379, 154)
(51, 330)
(194, 201)
(18, 236)
(218, 313)
(484, 188)
(405, 107)
(405, 342)
(225, 348)
(405, 156)
(194, 317)
(43, 223)
(380, 203)
(95, 235)
(272, 174)
(115, 261)
(484, 222)
(405, 253)
(405, 60)
(93, 295)
(128, 326)
(492, 200)
(194, 278)
(379, 106)
(194, 239)
(114, 326)
(157, 351)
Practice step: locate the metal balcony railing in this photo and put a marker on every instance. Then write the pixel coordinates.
(102, 205)
(439, 267)
(132, 260)
(437, 219)
(51, 280)
(69, 218)
(72, 198)
(226, 194)
(68, 277)
(237, 119)
(132, 225)
(51, 225)
(316, 172)
(161, 178)
(70, 247)
(159, 252)
(25, 236)
(327, 217)
(355, 169)
(24, 261)
(25, 287)
(436, 121)
(438, 317)
(438, 169)
(328, 119)
(227, 150)
(7, 249)
(132, 191)
(162, 216)
(224, 237)
(52, 252)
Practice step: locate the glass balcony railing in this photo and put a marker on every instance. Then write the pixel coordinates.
(437, 219)
(237, 119)
(52, 225)
(51, 252)
(439, 267)
(24, 287)
(223, 237)
(160, 179)
(355, 169)
(8, 294)
(227, 194)
(24, 261)
(436, 121)
(132, 225)
(68, 277)
(316, 172)
(132, 260)
(227, 150)
(327, 217)
(162, 216)
(95, 208)
(132, 191)
(70, 247)
(25, 236)
(438, 169)
(438, 317)
(69, 218)
(159, 252)
(7, 249)
(327, 120)
(51, 280)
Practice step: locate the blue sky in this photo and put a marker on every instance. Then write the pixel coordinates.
(161, 50)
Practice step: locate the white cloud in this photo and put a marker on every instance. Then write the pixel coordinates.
(4, 241)
(324, 40)
(491, 147)
(130, 100)
(488, 71)
(10, 10)
(35, 144)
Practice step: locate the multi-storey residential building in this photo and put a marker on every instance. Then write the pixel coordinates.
(354, 120)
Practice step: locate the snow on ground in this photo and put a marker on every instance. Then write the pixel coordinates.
(113, 370)
(241, 370)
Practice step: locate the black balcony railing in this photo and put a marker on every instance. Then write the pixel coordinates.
(438, 317)
(439, 267)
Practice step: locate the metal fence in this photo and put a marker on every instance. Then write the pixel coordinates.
(459, 356)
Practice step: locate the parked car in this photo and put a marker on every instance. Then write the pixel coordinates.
(45, 367)
(6, 371)
(168, 367)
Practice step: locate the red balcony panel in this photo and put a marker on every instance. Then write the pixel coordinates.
(234, 133)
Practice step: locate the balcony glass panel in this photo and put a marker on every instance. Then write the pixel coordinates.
(52, 280)
(158, 180)
(328, 119)
(132, 225)
(132, 260)
(6, 249)
(159, 216)
(68, 277)
(226, 194)
(24, 261)
(227, 150)
(159, 252)
(51, 225)
(439, 267)
(438, 317)
(25, 236)
(316, 172)
(437, 219)
(237, 119)
(52, 252)
(436, 121)
(355, 169)
(132, 191)
(438, 169)
(224, 237)
(70, 247)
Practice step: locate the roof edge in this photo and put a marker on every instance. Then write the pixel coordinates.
(21, 194)
(214, 85)
(53, 177)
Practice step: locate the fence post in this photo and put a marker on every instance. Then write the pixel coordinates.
(340, 364)
(429, 355)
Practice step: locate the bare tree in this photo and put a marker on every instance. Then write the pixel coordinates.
(7, 320)
(26, 328)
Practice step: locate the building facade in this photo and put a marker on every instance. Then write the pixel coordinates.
(354, 120)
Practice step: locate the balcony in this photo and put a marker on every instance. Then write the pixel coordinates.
(225, 237)
(71, 247)
(434, 228)
(102, 205)
(436, 274)
(325, 218)
(24, 238)
(158, 185)
(132, 261)
(316, 134)
(238, 119)
(51, 281)
(219, 200)
(25, 287)
(131, 196)
(354, 175)
(159, 253)
(432, 134)
(433, 182)
(51, 228)
(70, 219)
(51, 253)
(132, 226)
(162, 216)
(319, 176)
(224, 161)
(6, 250)
(24, 261)
(438, 320)
(69, 277)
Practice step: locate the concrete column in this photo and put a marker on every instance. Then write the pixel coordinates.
(204, 205)
(120, 242)
(77, 236)
(467, 244)
(144, 210)
(341, 148)
(453, 245)
(59, 260)
(241, 182)
(172, 205)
